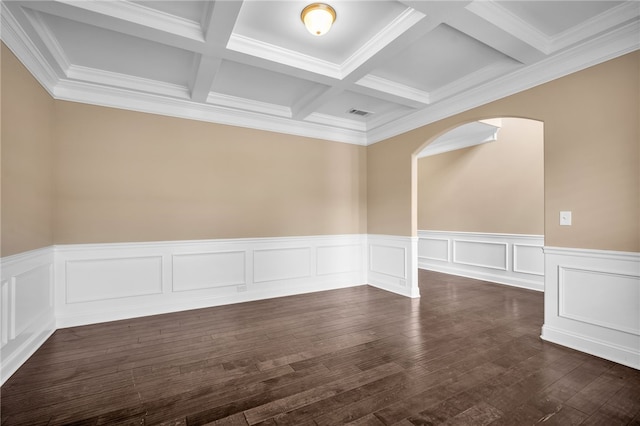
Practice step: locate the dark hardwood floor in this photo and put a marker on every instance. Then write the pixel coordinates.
(467, 353)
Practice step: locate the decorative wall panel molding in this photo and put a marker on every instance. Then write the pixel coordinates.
(434, 249)
(26, 306)
(592, 302)
(392, 264)
(100, 279)
(194, 271)
(276, 264)
(483, 254)
(339, 259)
(105, 282)
(512, 259)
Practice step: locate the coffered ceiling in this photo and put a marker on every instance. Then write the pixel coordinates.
(397, 64)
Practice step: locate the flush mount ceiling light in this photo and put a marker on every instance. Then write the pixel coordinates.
(318, 18)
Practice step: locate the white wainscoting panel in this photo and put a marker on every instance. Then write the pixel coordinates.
(26, 300)
(100, 279)
(617, 304)
(528, 259)
(281, 264)
(434, 249)
(512, 259)
(105, 282)
(392, 264)
(339, 259)
(592, 302)
(484, 254)
(195, 271)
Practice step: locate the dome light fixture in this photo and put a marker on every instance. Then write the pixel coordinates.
(318, 18)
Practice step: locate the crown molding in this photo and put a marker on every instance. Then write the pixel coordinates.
(94, 94)
(43, 30)
(25, 50)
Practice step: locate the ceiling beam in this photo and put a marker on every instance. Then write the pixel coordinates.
(314, 100)
(495, 37)
(218, 26)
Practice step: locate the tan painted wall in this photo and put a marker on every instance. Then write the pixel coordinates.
(591, 158)
(497, 187)
(26, 119)
(127, 176)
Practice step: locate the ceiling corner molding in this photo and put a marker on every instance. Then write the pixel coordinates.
(268, 51)
(153, 104)
(26, 51)
(603, 48)
(35, 18)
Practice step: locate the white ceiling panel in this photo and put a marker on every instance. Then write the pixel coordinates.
(441, 57)
(252, 63)
(250, 82)
(96, 48)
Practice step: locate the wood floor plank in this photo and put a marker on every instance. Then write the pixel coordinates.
(467, 352)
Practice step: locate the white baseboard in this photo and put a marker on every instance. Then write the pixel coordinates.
(26, 307)
(392, 264)
(607, 350)
(592, 302)
(106, 282)
(512, 259)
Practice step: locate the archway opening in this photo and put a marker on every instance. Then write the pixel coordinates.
(478, 200)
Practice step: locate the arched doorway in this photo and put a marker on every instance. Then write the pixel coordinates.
(479, 202)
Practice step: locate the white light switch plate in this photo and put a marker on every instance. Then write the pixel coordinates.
(565, 218)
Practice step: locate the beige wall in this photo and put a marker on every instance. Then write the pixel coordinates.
(591, 158)
(26, 120)
(127, 176)
(497, 187)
